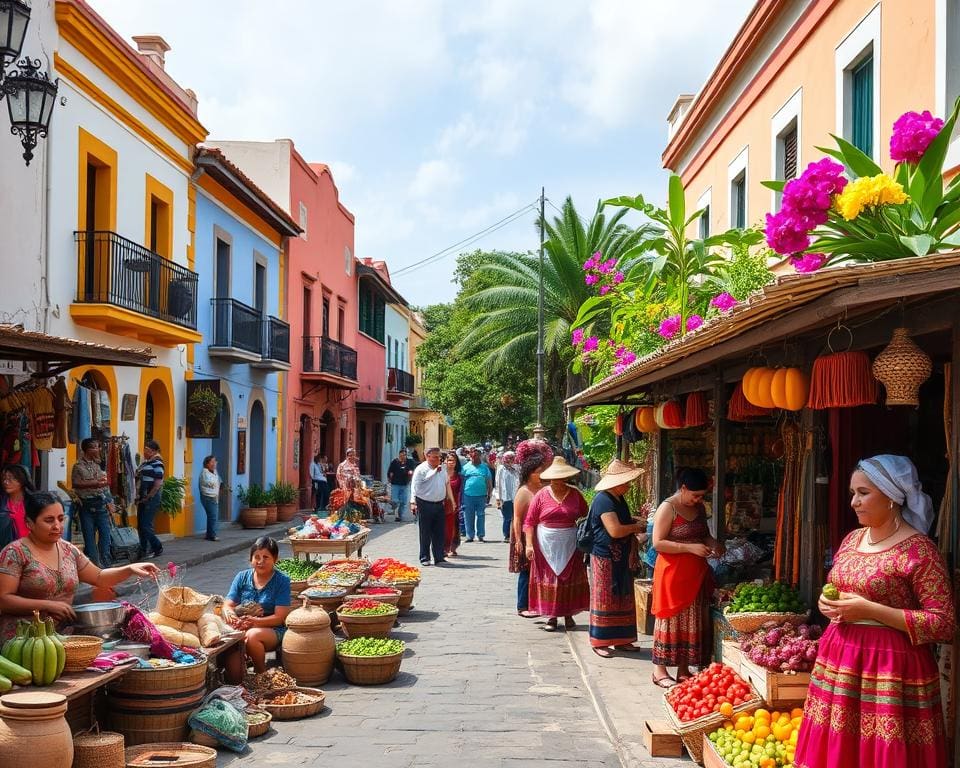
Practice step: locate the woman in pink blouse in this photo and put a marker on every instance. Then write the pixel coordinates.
(14, 483)
(558, 575)
(874, 695)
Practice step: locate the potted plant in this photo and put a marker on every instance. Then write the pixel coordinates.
(204, 406)
(412, 440)
(285, 497)
(253, 507)
(172, 493)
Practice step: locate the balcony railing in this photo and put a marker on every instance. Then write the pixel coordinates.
(322, 354)
(276, 343)
(117, 271)
(420, 401)
(399, 381)
(236, 325)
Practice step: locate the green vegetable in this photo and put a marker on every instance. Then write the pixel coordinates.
(830, 591)
(15, 672)
(370, 646)
(5, 685)
(766, 598)
(297, 570)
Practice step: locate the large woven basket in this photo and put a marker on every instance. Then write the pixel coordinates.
(393, 599)
(201, 738)
(102, 749)
(178, 679)
(692, 731)
(370, 670)
(297, 711)
(81, 650)
(752, 621)
(256, 730)
(171, 755)
(296, 587)
(406, 589)
(378, 625)
(902, 367)
(181, 603)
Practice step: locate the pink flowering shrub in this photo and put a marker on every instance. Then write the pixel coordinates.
(912, 134)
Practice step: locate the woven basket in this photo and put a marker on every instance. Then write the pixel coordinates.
(102, 749)
(296, 587)
(753, 620)
(692, 731)
(296, 711)
(902, 367)
(368, 626)
(178, 679)
(81, 650)
(177, 754)
(181, 603)
(370, 670)
(393, 599)
(406, 589)
(199, 737)
(256, 730)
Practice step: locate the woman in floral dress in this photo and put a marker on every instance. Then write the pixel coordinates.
(874, 695)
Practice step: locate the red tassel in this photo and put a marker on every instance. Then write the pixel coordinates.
(842, 380)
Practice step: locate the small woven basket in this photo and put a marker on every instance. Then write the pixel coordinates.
(80, 651)
(752, 621)
(98, 749)
(383, 598)
(181, 603)
(296, 711)
(902, 367)
(296, 587)
(378, 625)
(177, 754)
(692, 731)
(257, 729)
(370, 670)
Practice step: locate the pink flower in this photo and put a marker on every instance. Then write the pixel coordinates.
(783, 234)
(590, 279)
(604, 290)
(912, 134)
(590, 344)
(576, 338)
(723, 301)
(694, 322)
(808, 262)
(669, 326)
(618, 278)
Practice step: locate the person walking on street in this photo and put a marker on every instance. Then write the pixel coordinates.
(431, 488)
(210, 495)
(507, 482)
(150, 474)
(90, 483)
(452, 528)
(348, 473)
(400, 474)
(318, 479)
(533, 456)
(477, 486)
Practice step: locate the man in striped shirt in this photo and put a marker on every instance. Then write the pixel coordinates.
(150, 482)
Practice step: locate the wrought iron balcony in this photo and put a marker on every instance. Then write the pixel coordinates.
(323, 355)
(276, 345)
(399, 381)
(237, 331)
(112, 270)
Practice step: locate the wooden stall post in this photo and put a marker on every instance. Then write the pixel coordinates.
(954, 552)
(717, 522)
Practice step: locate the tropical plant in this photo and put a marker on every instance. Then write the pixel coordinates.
(204, 405)
(412, 439)
(826, 218)
(253, 496)
(282, 493)
(172, 493)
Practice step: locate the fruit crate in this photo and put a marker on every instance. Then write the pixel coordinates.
(732, 656)
(776, 688)
(711, 758)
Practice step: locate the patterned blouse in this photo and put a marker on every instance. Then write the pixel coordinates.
(39, 581)
(909, 575)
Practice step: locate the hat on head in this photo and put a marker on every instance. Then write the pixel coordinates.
(558, 470)
(618, 473)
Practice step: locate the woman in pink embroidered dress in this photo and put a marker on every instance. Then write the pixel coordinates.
(874, 695)
(558, 575)
(41, 572)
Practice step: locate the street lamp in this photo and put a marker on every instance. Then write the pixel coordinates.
(30, 99)
(14, 17)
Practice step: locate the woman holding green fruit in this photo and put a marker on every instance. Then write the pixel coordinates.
(41, 571)
(874, 693)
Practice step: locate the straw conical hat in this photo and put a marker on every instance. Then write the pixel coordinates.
(558, 470)
(617, 473)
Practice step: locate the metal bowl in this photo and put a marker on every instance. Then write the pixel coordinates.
(100, 619)
(134, 649)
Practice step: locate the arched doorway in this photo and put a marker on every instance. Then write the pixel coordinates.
(158, 425)
(303, 461)
(327, 425)
(221, 447)
(256, 441)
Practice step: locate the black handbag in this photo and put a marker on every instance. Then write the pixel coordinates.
(585, 534)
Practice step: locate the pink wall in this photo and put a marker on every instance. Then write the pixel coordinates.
(372, 363)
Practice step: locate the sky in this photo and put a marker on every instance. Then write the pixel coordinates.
(440, 119)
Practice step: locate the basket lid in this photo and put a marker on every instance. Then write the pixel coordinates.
(32, 700)
(308, 617)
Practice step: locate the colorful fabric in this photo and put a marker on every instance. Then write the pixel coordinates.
(612, 617)
(348, 474)
(38, 581)
(678, 578)
(678, 640)
(557, 594)
(874, 696)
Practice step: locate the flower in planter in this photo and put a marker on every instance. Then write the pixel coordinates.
(669, 326)
(912, 134)
(723, 301)
(867, 192)
(808, 262)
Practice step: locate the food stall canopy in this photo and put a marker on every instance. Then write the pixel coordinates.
(56, 354)
(783, 311)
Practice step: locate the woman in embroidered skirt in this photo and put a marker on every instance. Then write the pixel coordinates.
(681, 578)
(558, 576)
(533, 456)
(613, 561)
(874, 695)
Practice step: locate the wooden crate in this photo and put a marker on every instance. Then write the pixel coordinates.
(776, 688)
(711, 758)
(661, 740)
(732, 656)
(721, 631)
(643, 592)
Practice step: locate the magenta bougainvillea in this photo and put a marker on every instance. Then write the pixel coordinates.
(912, 134)
(723, 301)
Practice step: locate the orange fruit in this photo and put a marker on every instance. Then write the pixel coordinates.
(748, 738)
(761, 731)
(796, 713)
(726, 709)
(762, 713)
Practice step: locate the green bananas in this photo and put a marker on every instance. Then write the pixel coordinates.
(35, 654)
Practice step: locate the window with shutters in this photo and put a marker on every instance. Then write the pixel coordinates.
(857, 71)
(372, 314)
(787, 156)
(861, 97)
(738, 201)
(704, 224)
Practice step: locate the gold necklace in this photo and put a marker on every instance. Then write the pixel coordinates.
(896, 527)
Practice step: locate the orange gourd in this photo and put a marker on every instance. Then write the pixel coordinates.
(748, 378)
(618, 425)
(750, 385)
(797, 389)
(778, 388)
(645, 419)
(761, 389)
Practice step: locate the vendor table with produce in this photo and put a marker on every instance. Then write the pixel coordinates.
(348, 546)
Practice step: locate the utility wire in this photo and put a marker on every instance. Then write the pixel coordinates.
(506, 221)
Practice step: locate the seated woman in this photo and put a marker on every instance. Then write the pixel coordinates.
(257, 604)
(41, 571)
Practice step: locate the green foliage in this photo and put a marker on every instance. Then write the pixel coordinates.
(412, 439)
(744, 274)
(172, 493)
(253, 496)
(282, 493)
(595, 427)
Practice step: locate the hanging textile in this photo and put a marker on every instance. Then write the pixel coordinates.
(798, 446)
(41, 418)
(61, 413)
(103, 400)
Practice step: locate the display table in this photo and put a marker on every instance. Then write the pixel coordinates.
(345, 547)
(81, 689)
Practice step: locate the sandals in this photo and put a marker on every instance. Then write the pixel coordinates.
(603, 653)
(528, 614)
(550, 626)
(663, 682)
(681, 678)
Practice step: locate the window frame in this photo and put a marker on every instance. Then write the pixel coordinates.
(862, 41)
(704, 202)
(738, 168)
(789, 115)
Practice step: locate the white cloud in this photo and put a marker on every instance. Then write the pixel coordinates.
(343, 173)
(434, 178)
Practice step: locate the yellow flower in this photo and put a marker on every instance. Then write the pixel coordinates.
(868, 191)
(653, 310)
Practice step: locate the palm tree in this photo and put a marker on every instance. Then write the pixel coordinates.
(505, 329)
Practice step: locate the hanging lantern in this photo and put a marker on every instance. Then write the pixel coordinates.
(645, 419)
(672, 415)
(618, 425)
(778, 388)
(902, 367)
(797, 389)
(695, 410)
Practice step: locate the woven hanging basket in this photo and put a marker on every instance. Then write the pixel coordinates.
(902, 367)
(842, 380)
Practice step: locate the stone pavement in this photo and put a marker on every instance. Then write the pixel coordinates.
(477, 682)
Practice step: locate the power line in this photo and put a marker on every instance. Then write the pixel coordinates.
(467, 240)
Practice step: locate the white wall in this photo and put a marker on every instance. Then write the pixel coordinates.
(266, 163)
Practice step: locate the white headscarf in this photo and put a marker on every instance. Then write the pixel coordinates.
(896, 477)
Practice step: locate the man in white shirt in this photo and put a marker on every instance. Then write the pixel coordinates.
(507, 483)
(430, 487)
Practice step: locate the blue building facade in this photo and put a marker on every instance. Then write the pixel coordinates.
(239, 250)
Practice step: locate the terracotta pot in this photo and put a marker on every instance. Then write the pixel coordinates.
(33, 731)
(286, 512)
(309, 648)
(253, 517)
(272, 514)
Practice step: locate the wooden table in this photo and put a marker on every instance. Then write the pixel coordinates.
(346, 547)
(81, 689)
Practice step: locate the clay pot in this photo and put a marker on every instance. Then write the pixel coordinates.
(309, 648)
(253, 517)
(34, 732)
(272, 514)
(286, 512)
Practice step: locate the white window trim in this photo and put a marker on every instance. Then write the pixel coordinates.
(940, 77)
(865, 35)
(788, 113)
(705, 200)
(219, 233)
(259, 258)
(303, 219)
(739, 165)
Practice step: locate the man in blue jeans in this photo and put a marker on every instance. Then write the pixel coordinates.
(400, 474)
(150, 474)
(477, 486)
(90, 483)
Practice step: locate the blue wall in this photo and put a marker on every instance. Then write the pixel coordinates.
(241, 383)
